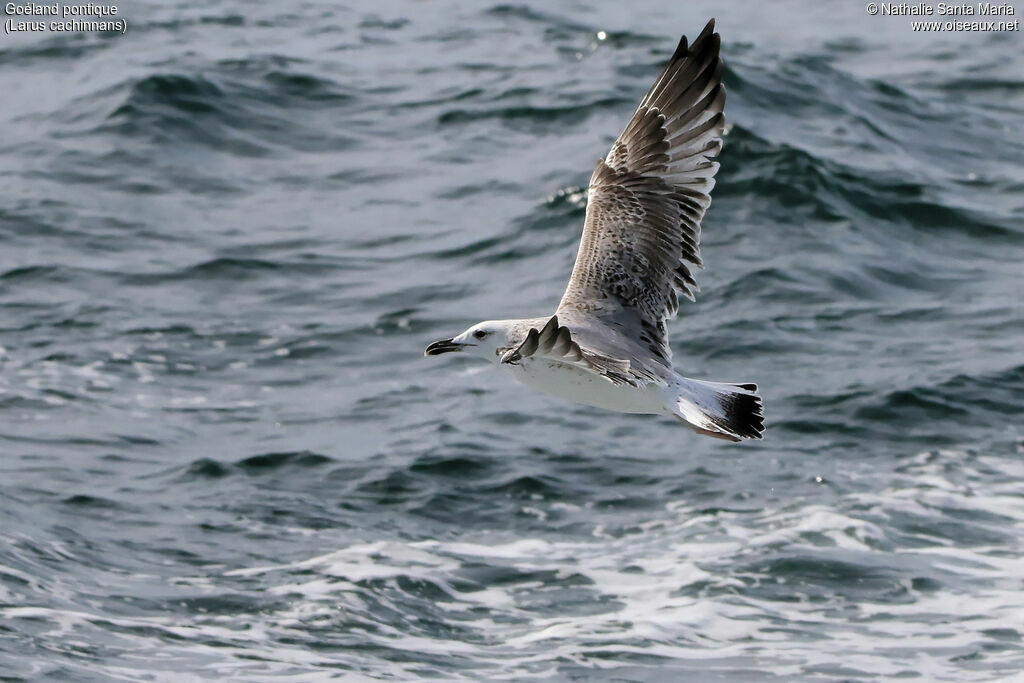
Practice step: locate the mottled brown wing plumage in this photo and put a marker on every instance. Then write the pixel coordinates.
(647, 198)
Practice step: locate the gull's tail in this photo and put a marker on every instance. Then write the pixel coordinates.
(723, 411)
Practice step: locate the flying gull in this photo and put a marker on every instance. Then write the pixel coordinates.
(606, 344)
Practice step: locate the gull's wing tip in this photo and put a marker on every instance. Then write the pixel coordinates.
(708, 29)
(684, 48)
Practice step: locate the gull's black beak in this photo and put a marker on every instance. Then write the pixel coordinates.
(443, 346)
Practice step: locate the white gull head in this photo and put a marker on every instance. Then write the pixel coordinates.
(487, 340)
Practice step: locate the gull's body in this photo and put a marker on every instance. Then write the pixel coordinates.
(581, 386)
(606, 344)
(586, 387)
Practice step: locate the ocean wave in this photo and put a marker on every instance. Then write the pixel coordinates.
(239, 109)
(674, 593)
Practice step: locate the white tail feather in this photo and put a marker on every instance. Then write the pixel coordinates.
(723, 411)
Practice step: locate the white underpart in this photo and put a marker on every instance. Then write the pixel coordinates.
(586, 387)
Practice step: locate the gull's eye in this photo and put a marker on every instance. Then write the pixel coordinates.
(480, 334)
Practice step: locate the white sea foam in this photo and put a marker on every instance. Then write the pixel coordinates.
(689, 587)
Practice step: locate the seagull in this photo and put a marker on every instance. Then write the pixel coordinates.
(606, 345)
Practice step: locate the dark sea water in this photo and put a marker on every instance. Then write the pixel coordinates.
(227, 236)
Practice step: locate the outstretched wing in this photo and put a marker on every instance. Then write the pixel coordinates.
(646, 200)
(554, 342)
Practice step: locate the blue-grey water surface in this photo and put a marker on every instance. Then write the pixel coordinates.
(227, 235)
